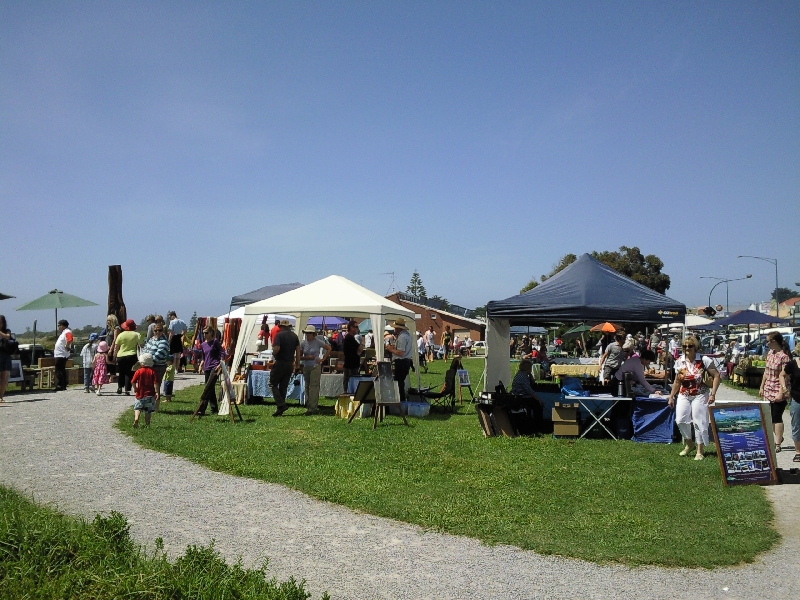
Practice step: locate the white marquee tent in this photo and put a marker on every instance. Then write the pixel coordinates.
(332, 296)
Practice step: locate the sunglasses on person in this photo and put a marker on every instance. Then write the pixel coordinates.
(687, 346)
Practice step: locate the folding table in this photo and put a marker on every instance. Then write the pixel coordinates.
(598, 401)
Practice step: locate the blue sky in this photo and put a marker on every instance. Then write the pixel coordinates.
(213, 148)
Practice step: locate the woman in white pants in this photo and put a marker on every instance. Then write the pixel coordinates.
(694, 397)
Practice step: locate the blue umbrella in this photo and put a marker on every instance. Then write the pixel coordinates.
(749, 317)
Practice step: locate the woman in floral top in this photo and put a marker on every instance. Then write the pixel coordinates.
(694, 397)
(771, 388)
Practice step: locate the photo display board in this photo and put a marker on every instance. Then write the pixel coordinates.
(743, 446)
(386, 389)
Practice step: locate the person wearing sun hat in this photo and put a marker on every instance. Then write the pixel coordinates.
(402, 353)
(100, 375)
(312, 359)
(87, 360)
(144, 386)
(286, 352)
(125, 355)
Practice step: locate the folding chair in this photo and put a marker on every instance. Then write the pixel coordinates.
(446, 397)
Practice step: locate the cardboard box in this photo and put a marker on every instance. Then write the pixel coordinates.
(566, 429)
(564, 414)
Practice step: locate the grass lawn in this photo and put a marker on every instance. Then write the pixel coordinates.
(47, 555)
(599, 500)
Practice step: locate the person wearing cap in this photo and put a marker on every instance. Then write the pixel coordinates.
(125, 355)
(177, 329)
(144, 386)
(286, 352)
(352, 349)
(61, 353)
(312, 358)
(403, 353)
(87, 358)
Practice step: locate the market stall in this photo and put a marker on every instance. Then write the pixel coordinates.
(333, 296)
(586, 290)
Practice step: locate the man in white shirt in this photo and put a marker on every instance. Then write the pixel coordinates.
(61, 352)
(429, 336)
(369, 339)
(402, 353)
(177, 328)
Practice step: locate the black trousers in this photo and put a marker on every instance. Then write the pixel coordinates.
(124, 371)
(209, 395)
(279, 378)
(61, 374)
(401, 368)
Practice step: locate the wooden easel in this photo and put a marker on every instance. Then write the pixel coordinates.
(365, 394)
(463, 382)
(387, 393)
(225, 388)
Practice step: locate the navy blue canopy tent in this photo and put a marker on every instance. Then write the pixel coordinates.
(587, 290)
(263, 293)
(749, 317)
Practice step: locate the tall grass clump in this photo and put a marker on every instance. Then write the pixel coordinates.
(46, 555)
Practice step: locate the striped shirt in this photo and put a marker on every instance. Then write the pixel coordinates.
(159, 348)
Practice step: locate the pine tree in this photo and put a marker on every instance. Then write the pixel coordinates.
(193, 321)
(415, 287)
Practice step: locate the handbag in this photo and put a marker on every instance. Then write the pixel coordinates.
(9, 346)
(708, 378)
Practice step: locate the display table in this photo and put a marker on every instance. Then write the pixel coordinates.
(598, 406)
(258, 385)
(574, 370)
(331, 385)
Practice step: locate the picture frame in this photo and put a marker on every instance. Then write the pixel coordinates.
(463, 378)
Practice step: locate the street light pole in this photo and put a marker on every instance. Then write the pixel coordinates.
(725, 281)
(774, 261)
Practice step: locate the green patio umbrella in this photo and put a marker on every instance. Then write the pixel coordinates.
(575, 331)
(56, 299)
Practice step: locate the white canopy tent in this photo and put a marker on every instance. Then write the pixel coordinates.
(691, 321)
(250, 343)
(332, 296)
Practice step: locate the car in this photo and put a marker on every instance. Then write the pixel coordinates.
(26, 350)
(478, 349)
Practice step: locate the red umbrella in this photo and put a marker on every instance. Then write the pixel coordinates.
(606, 327)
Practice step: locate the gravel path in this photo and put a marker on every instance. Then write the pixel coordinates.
(63, 449)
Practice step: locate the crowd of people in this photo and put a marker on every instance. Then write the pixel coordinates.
(120, 351)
